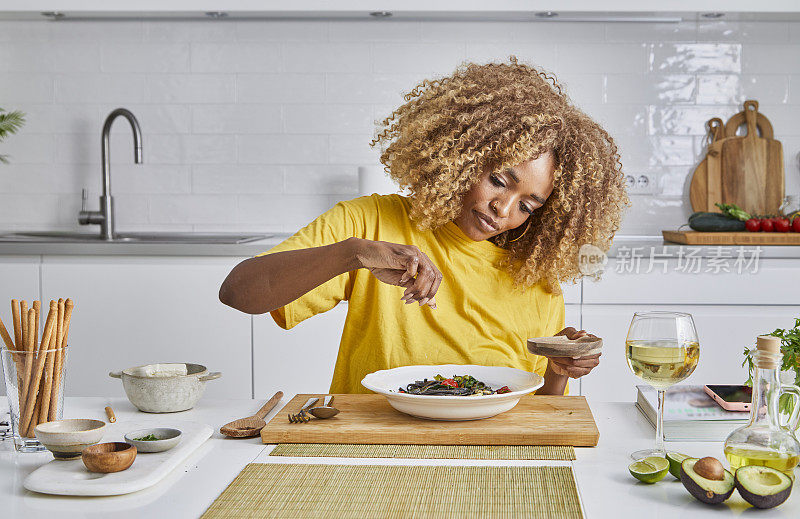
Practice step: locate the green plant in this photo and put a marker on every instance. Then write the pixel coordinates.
(790, 348)
(10, 122)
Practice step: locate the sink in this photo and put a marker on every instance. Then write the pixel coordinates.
(165, 237)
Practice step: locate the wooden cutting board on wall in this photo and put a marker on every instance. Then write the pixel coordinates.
(752, 168)
(369, 419)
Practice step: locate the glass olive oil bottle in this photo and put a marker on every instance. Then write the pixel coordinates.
(764, 441)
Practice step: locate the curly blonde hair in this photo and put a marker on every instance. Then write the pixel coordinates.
(494, 116)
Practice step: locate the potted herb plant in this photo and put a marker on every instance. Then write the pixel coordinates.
(10, 122)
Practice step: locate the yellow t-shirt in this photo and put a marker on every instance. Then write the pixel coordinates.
(481, 316)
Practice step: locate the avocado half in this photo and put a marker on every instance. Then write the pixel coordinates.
(763, 487)
(706, 490)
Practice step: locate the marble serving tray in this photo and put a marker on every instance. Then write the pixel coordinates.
(71, 477)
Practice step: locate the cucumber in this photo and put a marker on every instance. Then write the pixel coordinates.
(714, 222)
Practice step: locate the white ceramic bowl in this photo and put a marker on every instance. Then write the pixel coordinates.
(67, 438)
(388, 382)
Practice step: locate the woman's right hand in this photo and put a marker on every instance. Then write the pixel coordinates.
(401, 265)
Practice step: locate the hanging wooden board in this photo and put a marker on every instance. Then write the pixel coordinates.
(732, 238)
(369, 419)
(752, 168)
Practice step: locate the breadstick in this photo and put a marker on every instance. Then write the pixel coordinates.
(9, 342)
(17, 324)
(60, 323)
(43, 402)
(18, 346)
(23, 310)
(27, 360)
(37, 306)
(58, 365)
(29, 433)
(32, 379)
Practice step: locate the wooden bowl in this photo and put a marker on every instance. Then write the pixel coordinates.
(108, 457)
(560, 346)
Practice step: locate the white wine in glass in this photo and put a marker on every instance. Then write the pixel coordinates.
(662, 349)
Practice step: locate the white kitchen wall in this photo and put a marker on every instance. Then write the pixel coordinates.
(261, 125)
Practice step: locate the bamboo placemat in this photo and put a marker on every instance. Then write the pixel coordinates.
(422, 452)
(366, 491)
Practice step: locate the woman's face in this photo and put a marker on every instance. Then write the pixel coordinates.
(504, 200)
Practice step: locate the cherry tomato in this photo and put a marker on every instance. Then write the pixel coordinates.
(753, 225)
(767, 225)
(782, 225)
(449, 382)
(796, 224)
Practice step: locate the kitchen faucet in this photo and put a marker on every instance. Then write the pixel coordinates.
(105, 216)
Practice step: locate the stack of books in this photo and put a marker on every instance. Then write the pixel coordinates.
(689, 414)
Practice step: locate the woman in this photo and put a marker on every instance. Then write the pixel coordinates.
(507, 180)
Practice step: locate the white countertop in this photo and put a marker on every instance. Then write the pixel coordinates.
(605, 486)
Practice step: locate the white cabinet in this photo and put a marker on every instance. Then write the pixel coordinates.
(766, 282)
(723, 331)
(572, 293)
(299, 360)
(19, 279)
(140, 310)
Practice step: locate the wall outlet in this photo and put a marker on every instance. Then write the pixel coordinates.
(640, 184)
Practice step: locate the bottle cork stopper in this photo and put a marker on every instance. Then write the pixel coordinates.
(768, 343)
(769, 352)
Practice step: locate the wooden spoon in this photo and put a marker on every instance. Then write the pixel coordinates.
(252, 425)
(326, 410)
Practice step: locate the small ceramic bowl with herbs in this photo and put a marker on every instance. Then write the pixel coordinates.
(158, 439)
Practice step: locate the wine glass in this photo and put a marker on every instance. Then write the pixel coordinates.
(662, 349)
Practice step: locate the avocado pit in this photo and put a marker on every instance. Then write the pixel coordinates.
(707, 490)
(710, 468)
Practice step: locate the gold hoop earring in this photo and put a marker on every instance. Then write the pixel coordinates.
(523, 232)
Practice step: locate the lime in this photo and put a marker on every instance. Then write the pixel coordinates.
(649, 470)
(675, 459)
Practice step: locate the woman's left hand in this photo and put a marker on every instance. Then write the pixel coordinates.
(578, 367)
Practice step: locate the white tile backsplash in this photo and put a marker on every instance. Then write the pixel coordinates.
(235, 57)
(260, 125)
(21, 88)
(237, 178)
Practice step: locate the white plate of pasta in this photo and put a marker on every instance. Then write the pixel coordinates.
(453, 392)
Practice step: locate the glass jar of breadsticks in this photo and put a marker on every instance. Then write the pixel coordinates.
(34, 366)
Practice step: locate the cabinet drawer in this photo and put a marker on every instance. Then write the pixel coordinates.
(771, 284)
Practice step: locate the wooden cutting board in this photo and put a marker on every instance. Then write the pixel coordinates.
(369, 419)
(705, 189)
(752, 168)
(732, 238)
